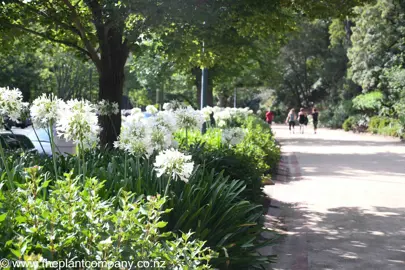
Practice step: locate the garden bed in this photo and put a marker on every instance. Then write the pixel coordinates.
(196, 206)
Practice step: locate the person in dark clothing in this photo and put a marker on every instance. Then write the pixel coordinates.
(315, 116)
(302, 120)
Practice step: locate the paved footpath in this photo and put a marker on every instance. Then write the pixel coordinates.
(341, 200)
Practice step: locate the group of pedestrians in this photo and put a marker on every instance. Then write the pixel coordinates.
(292, 118)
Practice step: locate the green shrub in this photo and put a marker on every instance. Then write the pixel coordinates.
(75, 223)
(334, 116)
(368, 102)
(256, 155)
(349, 123)
(221, 202)
(374, 124)
(385, 126)
(208, 204)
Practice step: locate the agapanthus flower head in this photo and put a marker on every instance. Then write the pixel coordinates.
(10, 103)
(207, 111)
(151, 109)
(136, 110)
(189, 118)
(45, 110)
(161, 137)
(135, 136)
(224, 115)
(106, 108)
(78, 122)
(216, 109)
(233, 136)
(167, 119)
(175, 164)
(167, 106)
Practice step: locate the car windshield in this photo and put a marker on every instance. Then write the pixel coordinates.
(42, 135)
(15, 141)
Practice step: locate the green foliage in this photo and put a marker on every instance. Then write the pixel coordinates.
(220, 203)
(256, 155)
(334, 116)
(376, 43)
(356, 123)
(74, 223)
(385, 126)
(371, 101)
(349, 123)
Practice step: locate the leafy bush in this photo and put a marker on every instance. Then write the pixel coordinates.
(217, 198)
(207, 204)
(368, 102)
(334, 116)
(256, 155)
(75, 223)
(385, 126)
(349, 123)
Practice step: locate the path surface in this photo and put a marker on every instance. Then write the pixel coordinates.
(345, 209)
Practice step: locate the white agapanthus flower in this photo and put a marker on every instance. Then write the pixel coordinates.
(216, 109)
(167, 119)
(259, 112)
(11, 103)
(78, 122)
(161, 138)
(223, 115)
(174, 164)
(45, 110)
(151, 109)
(135, 136)
(106, 108)
(189, 118)
(136, 110)
(167, 107)
(233, 136)
(207, 111)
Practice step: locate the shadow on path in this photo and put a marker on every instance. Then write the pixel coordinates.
(343, 238)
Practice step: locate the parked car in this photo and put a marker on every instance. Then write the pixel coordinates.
(13, 142)
(42, 143)
(21, 123)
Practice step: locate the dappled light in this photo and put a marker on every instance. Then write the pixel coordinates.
(347, 211)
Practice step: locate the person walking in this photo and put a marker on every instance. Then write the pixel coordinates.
(291, 117)
(302, 120)
(269, 117)
(315, 116)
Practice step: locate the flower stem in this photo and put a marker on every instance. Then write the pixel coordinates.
(3, 157)
(125, 167)
(38, 138)
(53, 148)
(78, 159)
(138, 181)
(167, 186)
(81, 155)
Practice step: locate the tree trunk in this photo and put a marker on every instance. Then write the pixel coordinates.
(114, 54)
(209, 94)
(197, 73)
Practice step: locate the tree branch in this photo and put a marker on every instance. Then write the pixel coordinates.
(71, 28)
(48, 37)
(83, 36)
